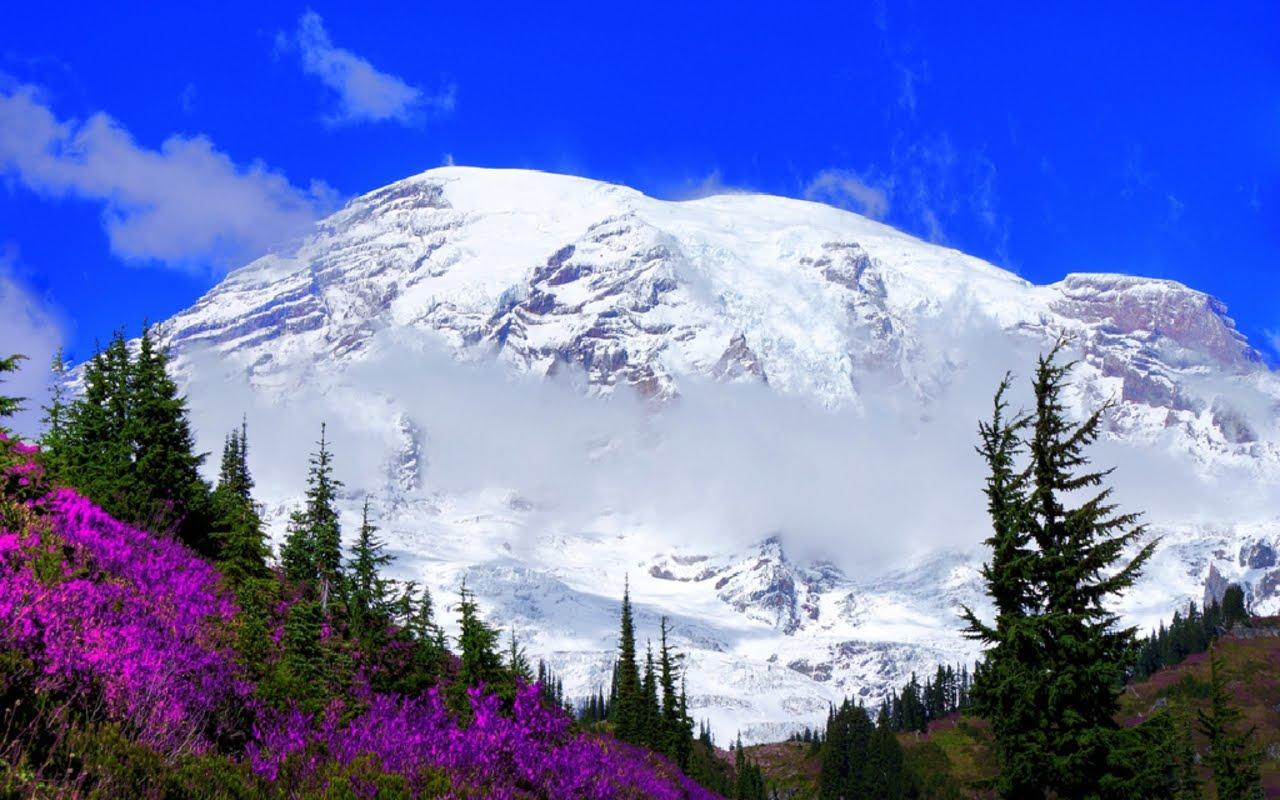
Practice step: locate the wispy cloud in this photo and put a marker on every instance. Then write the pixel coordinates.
(1273, 339)
(183, 204)
(27, 326)
(847, 189)
(364, 93)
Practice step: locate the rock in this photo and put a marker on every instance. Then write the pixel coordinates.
(1215, 586)
(1269, 586)
(1258, 555)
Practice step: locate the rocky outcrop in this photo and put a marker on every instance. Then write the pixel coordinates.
(1215, 586)
(1257, 555)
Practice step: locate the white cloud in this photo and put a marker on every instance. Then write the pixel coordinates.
(727, 465)
(184, 203)
(1273, 339)
(847, 189)
(364, 93)
(27, 326)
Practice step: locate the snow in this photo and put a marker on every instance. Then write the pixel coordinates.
(852, 329)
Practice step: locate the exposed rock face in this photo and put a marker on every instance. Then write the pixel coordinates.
(1258, 555)
(1215, 586)
(739, 362)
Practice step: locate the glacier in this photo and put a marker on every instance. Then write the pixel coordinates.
(756, 410)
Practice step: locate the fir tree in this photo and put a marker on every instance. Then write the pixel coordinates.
(10, 405)
(1186, 775)
(749, 783)
(1232, 754)
(480, 662)
(651, 712)
(167, 488)
(1078, 569)
(627, 704)
(127, 444)
(1055, 654)
(53, 439)
(518, 664)
(367, 590)
(237, 528)
(1233, 608)
(676, 727)
(886, 768)
(313, 545)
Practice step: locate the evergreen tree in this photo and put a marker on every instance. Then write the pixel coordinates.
(53, 439)
(518, 665)
(10, 405)
(651, 712)
(1055, 656)
(627, 703)
(302, 665)
(480, 662)
(749, 784)
(367, 590)
(886, 768)
(1186, 776)
(167, 489)
(1232, 754)
(676, 727)
(313, 545)
(237, 527)
(1233, 608)
(127, 444)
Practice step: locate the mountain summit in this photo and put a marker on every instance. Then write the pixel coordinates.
(719, 322)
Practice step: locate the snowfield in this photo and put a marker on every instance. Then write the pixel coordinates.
(759, 411)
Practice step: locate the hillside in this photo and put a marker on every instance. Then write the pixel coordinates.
(131, 667)
(956, 753)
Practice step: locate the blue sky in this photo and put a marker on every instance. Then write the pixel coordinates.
(146, 150)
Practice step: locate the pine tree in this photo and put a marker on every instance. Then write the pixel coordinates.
(10, 405)
(313, 545)
(518, 663)
(53, 439)
(676, 727)
(1055, 656)
(627, 705)
(1232, 754)
(94, 454)
(1184, 758)
(480, 662)
(651, 711)
(127, 444)
(367, 590)
(237, 526)
(167, 489)
(886, 768)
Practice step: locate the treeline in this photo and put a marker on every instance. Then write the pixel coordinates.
(861, 758)
(913, 708)
(1189, 633)
(646, 704)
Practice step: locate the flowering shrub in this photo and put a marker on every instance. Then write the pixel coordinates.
(118, 619)
(133, 632)
(528, 753)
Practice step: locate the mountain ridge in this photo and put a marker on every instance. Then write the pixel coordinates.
(712, 308)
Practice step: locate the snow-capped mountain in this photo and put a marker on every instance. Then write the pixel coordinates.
(753, 407)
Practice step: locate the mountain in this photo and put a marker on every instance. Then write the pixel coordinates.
(759, 410)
